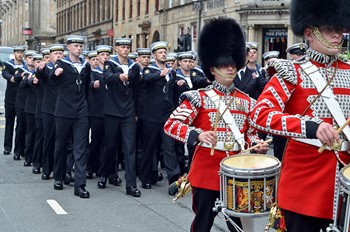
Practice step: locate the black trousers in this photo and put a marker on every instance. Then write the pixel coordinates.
(10, 115)
(96, 144)
(79, 129)
(127, 128)
(202, 205)
(301, 223)
(279, 143)
(20, 136)
(48, 142)
(38, 146)
(30, 137)
(153, 134)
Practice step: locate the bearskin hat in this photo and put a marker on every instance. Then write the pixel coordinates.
(221, 42)
(306, 13)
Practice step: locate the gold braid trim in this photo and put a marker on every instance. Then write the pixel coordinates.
(325, 42)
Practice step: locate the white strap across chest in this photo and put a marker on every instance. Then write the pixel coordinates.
(327, 95)
(226, 116)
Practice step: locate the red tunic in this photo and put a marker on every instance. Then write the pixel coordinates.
(197, 113)
(307, 179)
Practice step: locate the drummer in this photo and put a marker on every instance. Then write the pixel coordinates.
(294, 105)
(197, 121)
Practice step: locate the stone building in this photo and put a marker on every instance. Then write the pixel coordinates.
(91, 18)
(28, 22)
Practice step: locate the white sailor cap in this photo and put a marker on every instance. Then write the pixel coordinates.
(252, 45)
(104, 48)
(270, 54)
(171, 56)
(56, 47)
(75, 39)
(185, 55)
(19, 49)
(298, 48)
(30, 53)
(45, 51)
(123, 41)
(158, 45)
(132, 55)
(143, 51)
(194, 54)
(37, 57)
(92, 54)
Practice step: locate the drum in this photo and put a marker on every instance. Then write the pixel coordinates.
(248, 184)
(342, 202)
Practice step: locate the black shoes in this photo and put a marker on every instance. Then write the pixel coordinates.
(81, 192)
(27, 164)
(45, 176)
(133, 191)
(67, 179)
(146, 185)
(16, 157)
(101, 183)
(115, 181)
(156, 177)
(89, 175)
(6, 152)
(58, 185)
(36, 170)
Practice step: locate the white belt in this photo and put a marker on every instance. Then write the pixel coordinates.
(224, 146)
(345, 145)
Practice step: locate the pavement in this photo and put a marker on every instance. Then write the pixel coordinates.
(29, 204)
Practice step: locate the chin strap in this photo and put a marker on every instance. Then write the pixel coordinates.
(323, 40)
(222, 75)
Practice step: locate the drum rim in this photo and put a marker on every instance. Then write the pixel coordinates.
(343, 179)
(256, 171)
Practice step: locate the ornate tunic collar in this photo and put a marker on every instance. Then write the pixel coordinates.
(320, 57)
(222, 88)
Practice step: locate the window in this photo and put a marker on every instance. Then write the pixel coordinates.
(116, 10)
(123, 13)
(131, 8)
(147, 7)
(138, 8)
(156, 5)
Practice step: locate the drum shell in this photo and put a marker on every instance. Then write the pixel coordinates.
(249, 191)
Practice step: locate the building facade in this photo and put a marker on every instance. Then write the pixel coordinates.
(36, 23)
(91, 18)
(28, 22)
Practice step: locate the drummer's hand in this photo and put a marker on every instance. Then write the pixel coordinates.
(262, 149)
(208, 137)
(327, 134)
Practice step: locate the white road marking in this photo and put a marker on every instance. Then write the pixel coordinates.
(56, 207)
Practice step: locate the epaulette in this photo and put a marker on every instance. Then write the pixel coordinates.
(193, 96)
(286, 70)
(343, 61)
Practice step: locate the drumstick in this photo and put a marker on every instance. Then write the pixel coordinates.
(340, 129)
(217, 117)
(256, 146)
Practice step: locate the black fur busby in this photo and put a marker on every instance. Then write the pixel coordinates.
(221, 42)
(306, 13)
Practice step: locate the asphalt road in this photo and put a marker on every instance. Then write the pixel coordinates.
(29, 204)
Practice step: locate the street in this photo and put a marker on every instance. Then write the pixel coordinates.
(28, 203)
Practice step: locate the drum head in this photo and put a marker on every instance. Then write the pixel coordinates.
(346, 172)
(251, 161)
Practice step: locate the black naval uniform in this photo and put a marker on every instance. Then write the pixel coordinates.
(71, 118)
(10, 97)
(159, 104)
(198, 78)
(96, 106)
(21, 97)
(251, 82)
(29, 110)
(50, 86)
(120, 113)
(39, 134)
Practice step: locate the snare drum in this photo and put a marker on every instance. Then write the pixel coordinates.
(248, 184)
(342, 201)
